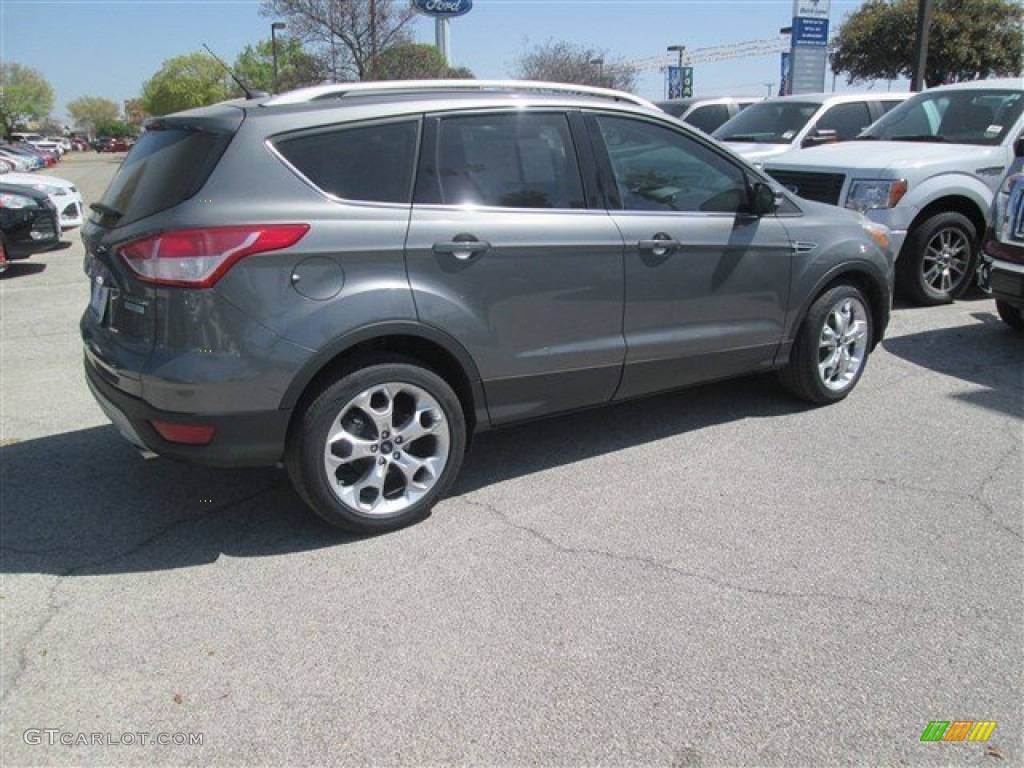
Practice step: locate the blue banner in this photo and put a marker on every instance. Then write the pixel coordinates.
(680, 82)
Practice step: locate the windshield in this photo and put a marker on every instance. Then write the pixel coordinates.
(768, 122)
(981, 117)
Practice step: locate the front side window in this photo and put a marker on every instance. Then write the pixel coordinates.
(657, 169)
(518, 160)
(368, 163)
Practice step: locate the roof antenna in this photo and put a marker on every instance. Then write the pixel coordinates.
(249, 92)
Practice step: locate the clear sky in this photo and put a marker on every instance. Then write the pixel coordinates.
(110, 47)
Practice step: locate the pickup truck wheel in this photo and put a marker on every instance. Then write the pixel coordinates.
(1010, 315)
(937, 261)
(377, 447)
(831, 348)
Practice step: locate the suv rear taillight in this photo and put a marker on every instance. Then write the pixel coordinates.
(198, 258)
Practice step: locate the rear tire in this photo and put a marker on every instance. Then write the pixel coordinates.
(936, 264)
(831, 348)
(377, 447)
(1011, 315)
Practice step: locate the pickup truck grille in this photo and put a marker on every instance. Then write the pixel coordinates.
(821, 187)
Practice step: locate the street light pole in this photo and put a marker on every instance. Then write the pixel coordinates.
(678, 49)
(924, 22)
(273, 47)
(599, 63)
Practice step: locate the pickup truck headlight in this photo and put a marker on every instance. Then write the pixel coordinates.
(866, 194)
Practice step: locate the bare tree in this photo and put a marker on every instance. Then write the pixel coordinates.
(563, 62)
(349, 33)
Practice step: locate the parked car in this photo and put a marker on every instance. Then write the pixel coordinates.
(112, 145)
(28, 220)
(783, 123)
(392, 266)
(1002, 253)
(23, 160)
(928, 170)
(706, 114)
(62, 193)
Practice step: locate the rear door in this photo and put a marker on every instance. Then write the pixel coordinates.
(707, 285)
(506, 254)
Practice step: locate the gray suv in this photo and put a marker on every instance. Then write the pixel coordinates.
(352, 279)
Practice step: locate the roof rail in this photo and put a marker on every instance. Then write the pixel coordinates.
(340, 90)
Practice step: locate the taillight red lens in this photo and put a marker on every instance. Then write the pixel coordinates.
(198, 258)
(187, 434)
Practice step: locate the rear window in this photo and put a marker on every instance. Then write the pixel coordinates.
(165, 167)
(370, 163)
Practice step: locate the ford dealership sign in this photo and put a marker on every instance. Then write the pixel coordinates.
(443, 8)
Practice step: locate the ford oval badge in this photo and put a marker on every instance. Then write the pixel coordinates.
(443, 8)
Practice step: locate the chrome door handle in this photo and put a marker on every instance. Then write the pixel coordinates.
(660, 245)
(462, 247)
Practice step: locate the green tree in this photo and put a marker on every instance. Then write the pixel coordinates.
(349, 33)
(416, 62)
(184, 82)
(24, 95)
(968, 40)
(296, 67)
(562, 62)
(115, 128)
(90, 112)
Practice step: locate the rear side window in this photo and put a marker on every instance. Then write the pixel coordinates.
(521, 160)
(708, 117)
(165, 167)
(847, 120)
(367, 163)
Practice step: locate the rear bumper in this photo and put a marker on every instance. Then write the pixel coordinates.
(241, 439)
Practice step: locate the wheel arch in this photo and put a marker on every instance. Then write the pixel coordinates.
(961, 204)
(865, 278)
(429, 347)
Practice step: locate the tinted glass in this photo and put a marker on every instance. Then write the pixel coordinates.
(708, 117)
(508, 161)
(768, 122)
(981, 117)
(847, 120)
(371, 163)
(657, 169)
(164, 168)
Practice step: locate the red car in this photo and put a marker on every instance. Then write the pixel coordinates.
(112, 145)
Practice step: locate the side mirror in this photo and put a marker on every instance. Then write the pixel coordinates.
(762, 199)
(1018, 146)
(820, 136)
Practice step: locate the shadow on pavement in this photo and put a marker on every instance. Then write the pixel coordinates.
(22, 269)
(85, 503)
(988, 354)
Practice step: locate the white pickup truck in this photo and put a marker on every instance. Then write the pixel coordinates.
(928, 170)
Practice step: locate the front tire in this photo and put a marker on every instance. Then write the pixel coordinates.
(831, 348)
(936, 264)
(377, 447)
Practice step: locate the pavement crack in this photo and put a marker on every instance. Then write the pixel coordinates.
(649, 562)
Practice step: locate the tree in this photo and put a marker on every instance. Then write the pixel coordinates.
(24, 95)
(184, 82)
(296, 67)
(416, 62)
(968, 40)
(349, 33)
(90, 112)
(563, 62)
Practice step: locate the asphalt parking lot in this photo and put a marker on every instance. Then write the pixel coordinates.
(717, 577)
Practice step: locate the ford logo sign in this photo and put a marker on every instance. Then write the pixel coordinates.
(445, 8)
